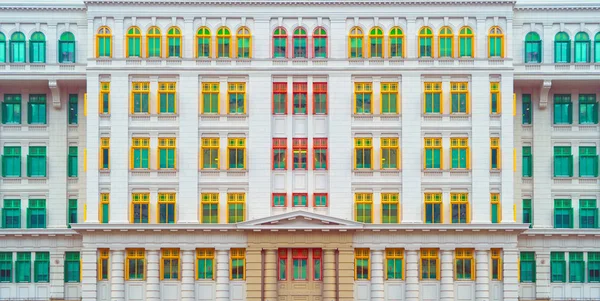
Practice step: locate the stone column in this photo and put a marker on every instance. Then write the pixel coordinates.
(511, 277)
(447, 281)
(89, 274)
(153, 275)
(222, 285)
(482, 274)
(57, 274)
(328, 274)
(117, 275)
(542, 275)
(377, 289)
(412, 275)
(271, 275)
(187, 275)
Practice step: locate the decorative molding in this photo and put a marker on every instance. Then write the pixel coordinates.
(300, 2)
(545, 93)
(55, 90)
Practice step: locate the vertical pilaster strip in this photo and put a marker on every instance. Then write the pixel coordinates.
(542, 162)
(188, 31)
(188, 148)
(377, 288)
(119, 43)
(57, 153)
(117, 275)
(222, 285)
(447, 273)
(328, 274)
(89, 274)
(412, 275)
(119, 149)
(506, 148)
(411, 39)
(412, 143)
(254, 275)
(271, 274)
(57, 273)
(510, 275)
(480, 146)
(542, 277)
(482, 274)
(152, 275)
(92, 144)
(346, 274)
(187, 275)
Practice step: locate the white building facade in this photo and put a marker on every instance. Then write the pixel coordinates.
(299, 150)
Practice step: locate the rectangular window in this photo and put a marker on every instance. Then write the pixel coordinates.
(72, 163)
(527, 212)
(430, 264)
(588, 213)
(593, 266)
(140, 153)
(236, 153)
(317, 264)
(495, 153)
(210, 208)
(11, 162)
(300, 91)
(432, 103)
(363, 93)
(459, 153)
(527, 267)
(558, 267)
(527, 162)
(279, 153)
(103, 264)
(279, 98)
(140, 203)
(362, 266)
(563, 161)
(11, 109)
(390, 208)
(282, 255)
(563, 109)
(363, 207)
(72, 212)
(464, 264)
(576, 267)
(279, 200)
(210, 153)
(236, 98)
(300, 150)
(140, 98)
(104, 208)
(588, 108)
(6, 266)
(11, 214)
(238, 264)
(390, 153)
(36, 113)
(23, 267)
(167, 153)
(236, 207)
(299, 200)
(394, 266)
(36, 162)
(320, 200)
(166, 208)
(105, 153)
(205, 264)
(320, 98)
(320, 153)
(135, 264)
(73, 109)
(41, 267)
(433, 208)
(433, 153)
(495, 100)
(300, 263)
(588, 161)
(496, 264)
(563, 213)
(104, 98)
(210, 98)
(169, 264)
(363, 153)
(72, 267)
(495, 208)
(389, 98)
(167, 101)
(36, 213)
(459, 93)
(459, 208)
(527, 111)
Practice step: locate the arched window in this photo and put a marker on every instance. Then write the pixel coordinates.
(299, 41)
(153, 42)
(597, 48)
(37, 48)
(396, 43)
(582, 48)
(134, 42)
(174, 42)
(279, 42)
(17, 48)
(376, 42)
(66, 48)
(446, 42)
(355, 45)
(562, 48)
(425, 42)
(104, 42)
(223, 42)
(533, 48)
(466, 42)
(203, 42)
(2, 48)
(244, 43)
(320, 42)
(496, 42)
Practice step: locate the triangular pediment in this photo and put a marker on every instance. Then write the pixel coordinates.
(300, 220)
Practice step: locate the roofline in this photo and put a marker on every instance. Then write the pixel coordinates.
(300, 2)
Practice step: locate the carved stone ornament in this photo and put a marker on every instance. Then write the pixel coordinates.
(545, 93)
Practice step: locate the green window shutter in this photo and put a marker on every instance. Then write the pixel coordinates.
(37, 109)
(23, 267)
(36, 213)
(527, 212)
(557, 267)
(576, 267)
(11, 214)
(6, 266)
(72, 212)
(36, 161)
(72, 162)
(11, 109)
(11, 161)
(41, 267)
(527, 162)
(73, 109)
(588, 213)
(72, 267)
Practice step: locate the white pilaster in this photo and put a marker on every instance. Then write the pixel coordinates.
(377, 270)
(412, 275)
(542, 162)
(117, 275)
(92, 144)
(187, 275)
(482, 283)
(222, 285)
(510, 276)
(188, 147)
(153, 275)
(507, 148)
(57, 151)
(447, 273)
(542, 274)
(89, 274)
(119, 149)
(57, 273)
(412, 162)
(480, 144)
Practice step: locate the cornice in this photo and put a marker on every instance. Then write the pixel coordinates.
(301, 2)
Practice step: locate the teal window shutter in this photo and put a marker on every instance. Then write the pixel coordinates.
(72, 162)
(72, 267)
(41, 267)
(23, 267)
(11, 214)
(73, 106)
(6, 266)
